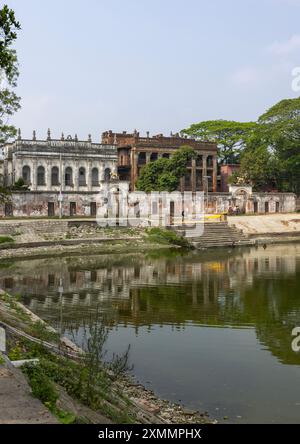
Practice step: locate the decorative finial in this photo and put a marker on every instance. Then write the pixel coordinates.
(19, 134)
(90, 138)
(34, 135)
(148, 134)
(115, 139)
(76, 138)
(62, 136)
(48, 134)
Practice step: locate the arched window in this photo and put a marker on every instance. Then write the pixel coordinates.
(54, 176)
(153, 157)
(199, 160)
(95, 177)
(142, 158)
(41, 176)
(81, 177)
(107, 174)
(209, 161)
(26, 175)
(68, 177)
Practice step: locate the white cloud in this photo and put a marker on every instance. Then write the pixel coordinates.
(289, 46)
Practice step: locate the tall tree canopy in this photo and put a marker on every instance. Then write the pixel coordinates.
(164, 174)
(260, 168)
(229, 135)
(268, 150)
(279, 127)
(9, 101)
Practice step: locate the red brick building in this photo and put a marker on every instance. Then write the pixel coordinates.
(135, 151)
(226, 172)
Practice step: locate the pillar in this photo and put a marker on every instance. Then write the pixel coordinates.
(48, 176)
(89, 176)
(182, 184)
(204, 172)
(193, 178)
(33, 167)
(134, 168)
(215, 174)
(75, 168)
(62, 169)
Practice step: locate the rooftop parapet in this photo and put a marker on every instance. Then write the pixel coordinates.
(64, 143)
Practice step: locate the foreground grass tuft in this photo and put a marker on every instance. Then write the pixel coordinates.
(6, 240)
(163, 236)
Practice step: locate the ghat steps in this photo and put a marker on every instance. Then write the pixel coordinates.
(213, 234)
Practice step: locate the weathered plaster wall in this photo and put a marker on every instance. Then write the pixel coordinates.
(36, 204)
(252, 203)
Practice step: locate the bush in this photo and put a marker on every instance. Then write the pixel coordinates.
(42, 387)
(6, 239)
(162, 236)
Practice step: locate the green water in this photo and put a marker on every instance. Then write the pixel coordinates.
(211, 330)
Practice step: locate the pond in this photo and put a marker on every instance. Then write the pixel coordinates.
(211, 330)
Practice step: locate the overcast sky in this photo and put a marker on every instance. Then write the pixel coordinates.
(157, 65)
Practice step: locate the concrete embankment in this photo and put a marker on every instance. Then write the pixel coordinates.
(40, 238)
(270, 228)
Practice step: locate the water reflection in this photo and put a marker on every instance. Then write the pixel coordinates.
(252, 290)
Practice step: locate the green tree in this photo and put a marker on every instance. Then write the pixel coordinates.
(230, 136)
(260, 168)
(164, 174)
(9, 101)
(279, 127)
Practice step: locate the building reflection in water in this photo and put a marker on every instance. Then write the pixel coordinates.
(253, 288)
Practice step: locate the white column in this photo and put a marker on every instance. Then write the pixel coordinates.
(89, 175)
(47, 176)
(33, 167)
(75, 168)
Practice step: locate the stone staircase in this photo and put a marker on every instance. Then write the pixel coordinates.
(215, 234)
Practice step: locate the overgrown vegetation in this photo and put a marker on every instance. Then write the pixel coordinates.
(163, 236)
(165, 174)
(90, 378)
(44, 389)
(20, 185)
(6, 239)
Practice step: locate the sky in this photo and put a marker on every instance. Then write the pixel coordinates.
(151, 65)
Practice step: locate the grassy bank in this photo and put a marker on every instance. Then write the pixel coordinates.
(85, 379)
(148, 239)
(81, 386)
(88, 386)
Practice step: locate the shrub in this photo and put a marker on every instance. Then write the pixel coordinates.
(162, 236)
(6, 239)
(42, 387)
